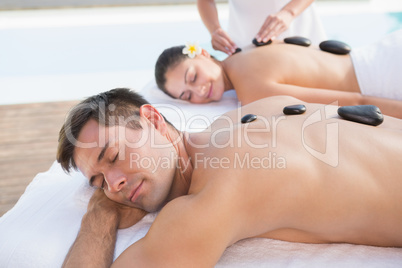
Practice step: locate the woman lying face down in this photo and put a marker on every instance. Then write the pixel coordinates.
(306, 73)
(255, 73)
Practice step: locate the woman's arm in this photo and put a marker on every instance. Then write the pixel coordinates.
(209, 14)
(387, 106)
(219, 38)
(277, 23)
(296, 7)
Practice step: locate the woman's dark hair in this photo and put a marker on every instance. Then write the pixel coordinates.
(170, 57)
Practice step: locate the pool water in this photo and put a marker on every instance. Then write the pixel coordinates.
(360, 29)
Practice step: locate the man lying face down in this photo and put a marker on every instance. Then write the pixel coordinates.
(310, 178)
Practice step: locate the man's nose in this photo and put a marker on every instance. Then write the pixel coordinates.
(116, 181)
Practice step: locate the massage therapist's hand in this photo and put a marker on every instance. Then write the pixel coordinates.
(222, 41)
(102, 209)
(274, 25)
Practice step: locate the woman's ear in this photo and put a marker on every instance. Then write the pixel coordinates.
(205, 53)
(152, 115)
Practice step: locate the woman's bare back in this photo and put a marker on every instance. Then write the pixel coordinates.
(257, 69)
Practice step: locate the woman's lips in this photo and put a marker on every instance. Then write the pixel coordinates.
(136, 192)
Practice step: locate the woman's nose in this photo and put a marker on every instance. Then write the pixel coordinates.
(115, 181)
(201, 90)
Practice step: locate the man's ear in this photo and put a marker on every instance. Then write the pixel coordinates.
(153, 116)
(205, 53)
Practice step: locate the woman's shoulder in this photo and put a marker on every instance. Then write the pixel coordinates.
(253, 57)
(251, 51)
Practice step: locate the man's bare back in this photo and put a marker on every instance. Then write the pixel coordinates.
(283, 191)
(310, 178)
(347, 195)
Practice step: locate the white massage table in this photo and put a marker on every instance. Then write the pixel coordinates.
(42, 226)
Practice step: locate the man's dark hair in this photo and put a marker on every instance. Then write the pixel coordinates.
(169, 58)
(108, 108)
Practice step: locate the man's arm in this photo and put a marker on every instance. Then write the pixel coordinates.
(325, 96)
(187, 232)
(191, 230)
(94, 246)
(95, 243)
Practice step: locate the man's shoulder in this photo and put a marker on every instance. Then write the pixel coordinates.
(187, 228)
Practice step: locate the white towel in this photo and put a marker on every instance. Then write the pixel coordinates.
(378, 67)
(188, 116)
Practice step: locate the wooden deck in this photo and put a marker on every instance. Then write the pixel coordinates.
(28, 144)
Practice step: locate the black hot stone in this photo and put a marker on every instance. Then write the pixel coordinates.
(298, 40)
(335, 47)
(258, 44)
(365, 114)
(248, 118)
(294, 109)
(237, 50)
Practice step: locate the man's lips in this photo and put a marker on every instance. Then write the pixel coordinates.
(136, 192)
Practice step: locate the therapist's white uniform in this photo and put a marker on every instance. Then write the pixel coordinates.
(247, 16)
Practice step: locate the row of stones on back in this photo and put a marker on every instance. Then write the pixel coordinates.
(364, 114)
(331, 46)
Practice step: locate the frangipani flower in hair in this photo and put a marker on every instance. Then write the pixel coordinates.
(192, 49)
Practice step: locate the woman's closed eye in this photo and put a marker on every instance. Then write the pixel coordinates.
(190, 76)
(186, 95)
